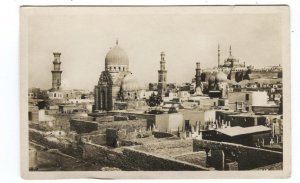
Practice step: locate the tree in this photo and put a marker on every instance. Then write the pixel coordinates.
(43, 104)
(154, 100)
(42, 94)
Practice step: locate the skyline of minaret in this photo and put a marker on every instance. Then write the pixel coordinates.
(162, 75)
(56, 72)
(198, 75)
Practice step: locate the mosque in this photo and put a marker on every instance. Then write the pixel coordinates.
(117, 85)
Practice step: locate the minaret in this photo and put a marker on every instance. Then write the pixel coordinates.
(56, 72)
(198, 75)
(162, 76)
(230, 50)
(218, 55)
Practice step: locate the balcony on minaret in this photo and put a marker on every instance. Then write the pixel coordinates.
(56, 57)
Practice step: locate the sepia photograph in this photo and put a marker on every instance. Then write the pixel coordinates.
(130, 91)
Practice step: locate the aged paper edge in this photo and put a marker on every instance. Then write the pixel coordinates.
(285, 173)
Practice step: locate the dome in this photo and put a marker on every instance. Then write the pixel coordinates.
(129, 83)
(211, 78)
(221, 76)
(116, 56)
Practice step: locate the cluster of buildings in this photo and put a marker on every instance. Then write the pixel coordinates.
(230, 103)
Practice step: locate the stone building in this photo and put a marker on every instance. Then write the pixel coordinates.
(217, 85)
(232, 67)
(116, 82)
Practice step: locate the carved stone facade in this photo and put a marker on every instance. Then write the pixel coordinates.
(111, 85)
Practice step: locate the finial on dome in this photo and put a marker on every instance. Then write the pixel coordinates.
(117, 41)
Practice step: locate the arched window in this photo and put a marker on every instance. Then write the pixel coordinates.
(54, 94)
(123, 68)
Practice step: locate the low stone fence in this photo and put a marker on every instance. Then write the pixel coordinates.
(247, 157)
(132, 159)
(140, 160)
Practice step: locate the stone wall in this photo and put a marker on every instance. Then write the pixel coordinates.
(140, 160)
(128, 125)
(162, 134)
(170, 147)
(61, 144)
(84, 126)
(131, 159)
(150, 118)
(111, 137)
(247, 157)
(81, 126)
(104, 119)
(104, 156)
(62, 122)
(99, 139)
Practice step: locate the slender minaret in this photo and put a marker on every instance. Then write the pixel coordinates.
(230, 50)
(56, 72)
(198, 75)
(218, 55)
(162, 76)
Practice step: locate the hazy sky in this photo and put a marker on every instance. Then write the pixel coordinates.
(84, 36)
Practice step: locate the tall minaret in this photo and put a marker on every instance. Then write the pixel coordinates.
(56, 72)
(162, 75)
(230, 50)
(198, 75)
(218, 55)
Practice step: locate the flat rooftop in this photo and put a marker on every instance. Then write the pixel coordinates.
(237, 130)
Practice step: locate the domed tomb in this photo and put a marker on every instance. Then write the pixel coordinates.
(221, 77)
(211, 79)
(130, 83)
(116, 59)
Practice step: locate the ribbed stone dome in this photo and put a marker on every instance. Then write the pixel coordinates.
(221, 77)
(116, 56)
(130, 83)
